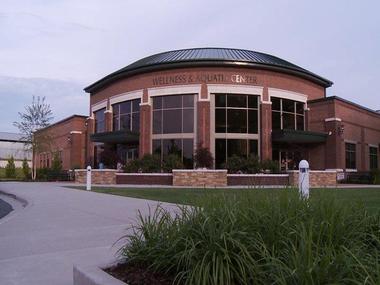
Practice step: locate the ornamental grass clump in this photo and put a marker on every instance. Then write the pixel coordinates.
(257, 238)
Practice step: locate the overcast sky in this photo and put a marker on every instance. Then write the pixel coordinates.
(55, 48)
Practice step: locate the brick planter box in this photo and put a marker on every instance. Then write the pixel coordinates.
(98, 176)
(144, 178)
(200, 177)
(318, 178)
(258, 179)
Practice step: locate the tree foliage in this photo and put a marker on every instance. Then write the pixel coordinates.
(10, 168)
(25, 168)
(203, 157)
(36, 116)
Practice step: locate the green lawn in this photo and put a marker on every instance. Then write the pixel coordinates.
(370, 197)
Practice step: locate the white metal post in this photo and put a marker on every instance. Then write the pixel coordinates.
(88, 186)
(303, 179)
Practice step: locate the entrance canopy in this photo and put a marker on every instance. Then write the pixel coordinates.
(299, 137)
(116, 137)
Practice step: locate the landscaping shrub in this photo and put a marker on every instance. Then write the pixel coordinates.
(375, 176)
(275, 239)
(10, 168)
(172, 161)
(203, 157)
(56, 168)
(250, 164)
(148, 164)
(25, 169)
(236, 164)
(271, 165)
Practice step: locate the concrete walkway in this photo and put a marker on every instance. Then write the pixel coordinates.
(60, 227)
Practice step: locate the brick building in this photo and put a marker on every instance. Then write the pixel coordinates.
(232, 101)
(66, 138)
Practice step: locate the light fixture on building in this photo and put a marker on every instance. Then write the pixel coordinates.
(341, 130)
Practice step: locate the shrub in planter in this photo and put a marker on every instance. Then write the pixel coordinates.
(270, 165)
(132, 166)
(236, 164)
(252, 164)
(172, 161)
(10, 168)
(148, 164)
(203, 157)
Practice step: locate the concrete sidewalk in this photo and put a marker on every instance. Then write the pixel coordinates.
(58, 228)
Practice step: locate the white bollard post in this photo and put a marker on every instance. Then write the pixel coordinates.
(303, 179)
(88, 186)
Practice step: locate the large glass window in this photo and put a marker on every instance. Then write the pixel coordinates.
(126, 115)
(236, 113)
(100, 120)
(173, 114)
(225, 148)
(287, 114)
(350, 156)
(236, 126)
(373, 159)
(184, 148)
(173, 127)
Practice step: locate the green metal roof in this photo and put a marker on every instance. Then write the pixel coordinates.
(115, 137)
(295, 136)
(196, 57)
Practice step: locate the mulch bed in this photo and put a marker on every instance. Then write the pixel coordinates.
(136, 275)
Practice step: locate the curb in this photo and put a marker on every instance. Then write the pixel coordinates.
(23, 202)
(93, 275)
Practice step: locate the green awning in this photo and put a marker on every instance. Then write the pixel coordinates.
(300, 137)
(116, 137)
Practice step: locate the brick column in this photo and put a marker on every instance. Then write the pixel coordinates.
(90, 122)
(145, 143)
(108, 116)
(265, 126)
(333, 146)
(203, 118)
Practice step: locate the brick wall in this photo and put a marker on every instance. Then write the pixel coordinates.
(104, 176)
(316, 179)
(198, 177)
(144, 178)
(257, 179)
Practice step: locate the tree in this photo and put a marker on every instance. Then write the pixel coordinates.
(25, 168)
(10, 168)
(35, 117)
(56, 166)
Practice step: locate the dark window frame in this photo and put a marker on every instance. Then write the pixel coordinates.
(117, 115)
(160, 109)
(247, 108)
(100, 124)
(350, 155)
(373, 157)
(296, 114)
